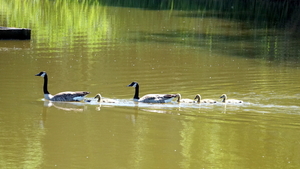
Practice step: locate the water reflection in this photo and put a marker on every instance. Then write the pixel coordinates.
(140, 137)
(187, 141)
(33, 153)
(15, 45)
(66, 106)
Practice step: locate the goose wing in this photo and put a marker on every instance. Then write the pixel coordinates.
(70, 96)
(157, 98)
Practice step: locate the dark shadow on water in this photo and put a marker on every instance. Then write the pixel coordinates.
(255, 14)
(229, 44)
(271, 13)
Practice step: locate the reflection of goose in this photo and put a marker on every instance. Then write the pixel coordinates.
(63, 96)
(199, 100)
(179, 100)
(151, 98)
(100, 99)
(225, 100)
(66, 106)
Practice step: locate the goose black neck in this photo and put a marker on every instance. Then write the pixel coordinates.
(224, 100)
(136, 95)
(45, 88)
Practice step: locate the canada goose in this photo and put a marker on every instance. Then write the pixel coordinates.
(199, 100)
(100, 99)
(225, 100)
(179, 100)
(62, 96)
(151, 98)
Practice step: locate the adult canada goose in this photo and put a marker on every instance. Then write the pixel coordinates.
(199, 100)
(151, 98)
(62, 96)
(179, 100)
(100, 99)
(225, 100)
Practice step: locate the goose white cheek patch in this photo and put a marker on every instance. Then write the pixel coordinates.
(43, 75)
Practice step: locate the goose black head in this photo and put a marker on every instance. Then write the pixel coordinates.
(43, 73)
(133, 84)
(98, 96)
(223, 96)
(197, 96)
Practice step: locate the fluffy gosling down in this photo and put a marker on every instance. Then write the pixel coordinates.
(180, 100)
(226, 100)
(100, 99)
(199, 100)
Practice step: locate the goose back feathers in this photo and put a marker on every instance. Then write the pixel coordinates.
(62, 96)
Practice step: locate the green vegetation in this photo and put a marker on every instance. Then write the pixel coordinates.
(57, 23)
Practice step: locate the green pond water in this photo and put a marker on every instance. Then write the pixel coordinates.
(103, 49)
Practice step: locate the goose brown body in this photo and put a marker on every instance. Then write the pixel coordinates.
(151, 98)
(62, 96)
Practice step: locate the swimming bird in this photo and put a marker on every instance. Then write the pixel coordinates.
(151, 98)
(62, 96)
(199, 100)
(100, 99)
(225, 100)
(179, 100)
